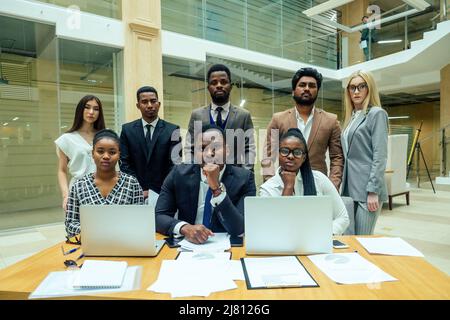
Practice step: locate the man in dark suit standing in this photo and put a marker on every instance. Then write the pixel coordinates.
(147, 144)
(209, 194)
(237, 122)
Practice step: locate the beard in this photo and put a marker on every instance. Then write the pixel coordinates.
(304, 101)
(220, 99)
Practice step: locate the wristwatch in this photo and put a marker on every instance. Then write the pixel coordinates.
(218, 191)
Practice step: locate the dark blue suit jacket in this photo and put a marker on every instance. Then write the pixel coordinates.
(180, 192)
(150, 164)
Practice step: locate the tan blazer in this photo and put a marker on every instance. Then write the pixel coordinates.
(325, 134)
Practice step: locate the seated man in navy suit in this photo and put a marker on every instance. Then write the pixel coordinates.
(209, 194)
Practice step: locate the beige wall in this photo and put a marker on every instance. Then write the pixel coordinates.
(445, 113)
(351, 16)
(429, 135)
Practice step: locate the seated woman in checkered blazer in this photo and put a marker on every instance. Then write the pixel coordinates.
(105, 186)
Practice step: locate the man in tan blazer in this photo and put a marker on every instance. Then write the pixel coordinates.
(321, 129)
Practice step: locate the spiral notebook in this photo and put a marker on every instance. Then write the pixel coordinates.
(100, 274)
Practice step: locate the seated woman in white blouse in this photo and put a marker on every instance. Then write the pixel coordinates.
(104, 187)
(295, 177)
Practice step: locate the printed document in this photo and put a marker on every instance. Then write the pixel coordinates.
(389, 246)
(218, 242)
(349, 268)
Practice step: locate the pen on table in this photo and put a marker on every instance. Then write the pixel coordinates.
(70, 251)
(81, 256)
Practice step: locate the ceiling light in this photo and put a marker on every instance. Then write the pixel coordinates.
(329, 5)
(399, 117)
(389, 41)
(242, 103)
(5, 124)
(15, 118)
(417, 4)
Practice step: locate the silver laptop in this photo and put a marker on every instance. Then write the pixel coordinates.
(119, 230)
(288, 225)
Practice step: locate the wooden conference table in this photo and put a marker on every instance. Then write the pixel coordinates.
(417, 278)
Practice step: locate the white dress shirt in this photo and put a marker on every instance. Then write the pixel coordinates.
(274, 187)
(305, 128)
(152, 126)
(355, 115)
(225, 111)
(215, 201)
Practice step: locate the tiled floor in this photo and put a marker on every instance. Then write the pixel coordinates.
(425, 224)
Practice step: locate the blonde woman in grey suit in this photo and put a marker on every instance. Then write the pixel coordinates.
(364, 142)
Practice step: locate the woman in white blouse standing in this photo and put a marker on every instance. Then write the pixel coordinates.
(74, 148)
(364, 143)
(295, 177)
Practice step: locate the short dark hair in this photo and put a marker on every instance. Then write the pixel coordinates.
(219, 67)
(106, 133)
(146, 89)
(309, 72)
(364, 17)
(79, 112)
(309, 186)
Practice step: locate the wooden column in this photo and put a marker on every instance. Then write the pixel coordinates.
(142, 53)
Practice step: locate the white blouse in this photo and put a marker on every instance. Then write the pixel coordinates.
(355, 115)
(79, 152)
(274, 187)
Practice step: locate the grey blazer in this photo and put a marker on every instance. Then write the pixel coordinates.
(365, 152)
(238, 118)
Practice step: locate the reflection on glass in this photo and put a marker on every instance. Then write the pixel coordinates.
(107, 8)
(28, 116)
(38, 96)
(273, 27)
(86, 69)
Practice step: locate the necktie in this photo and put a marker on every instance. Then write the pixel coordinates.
(207, 210)
(219, 122)
(148, 135)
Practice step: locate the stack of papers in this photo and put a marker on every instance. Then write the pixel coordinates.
(60, 284)
(100, 274)
(349, 268)
(219, 242)
(389, 246)
(187, 277)
(232, 267)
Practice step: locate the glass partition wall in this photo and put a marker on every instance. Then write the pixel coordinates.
(277, 28)
(262, 91)
(42, 80)
(107, 8)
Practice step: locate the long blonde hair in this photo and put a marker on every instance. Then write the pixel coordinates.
(372, 99)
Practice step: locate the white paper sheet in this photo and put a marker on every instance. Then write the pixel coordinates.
(277, 272)
(349, 268)
(100, 274)
(219, 242)
(190, 277)
(60, 284)
(389, 246)
(233, 267)
(204, 255)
